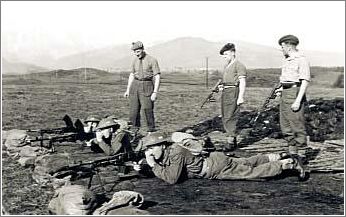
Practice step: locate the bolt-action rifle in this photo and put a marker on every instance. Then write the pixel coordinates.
(272, 95)
(215, 89)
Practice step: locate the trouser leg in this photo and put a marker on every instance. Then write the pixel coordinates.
(292, 123)
(254, 160)
(237, 170)
(148, 110)
(230, 110)
(135, 108)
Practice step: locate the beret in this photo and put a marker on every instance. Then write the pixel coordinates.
(228, 46)
(137, 45)
(290, 39)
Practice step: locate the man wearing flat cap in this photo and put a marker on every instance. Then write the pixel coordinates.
(295, 77)
(143, 86)
(233, 90)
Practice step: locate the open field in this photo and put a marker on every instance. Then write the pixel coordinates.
(42, 105)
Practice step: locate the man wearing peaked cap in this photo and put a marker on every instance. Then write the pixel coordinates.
(173, 163)
(294, 79)
(291, 39)
(233, 92)
(143, 86)
(108, 139)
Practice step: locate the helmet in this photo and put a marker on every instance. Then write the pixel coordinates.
(154, 138)
(106, 123)
(92, 118)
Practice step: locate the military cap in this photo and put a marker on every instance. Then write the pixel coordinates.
(137, 45)
(106, 123)
(226, 47)
(289, 39)
(155, 138)
(92, 118)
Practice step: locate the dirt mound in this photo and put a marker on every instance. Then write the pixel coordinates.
(324, 121)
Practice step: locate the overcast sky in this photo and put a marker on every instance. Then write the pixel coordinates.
(62, 28)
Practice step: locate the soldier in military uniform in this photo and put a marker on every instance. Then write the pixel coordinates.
(91, 123)
(233, 90)
(143, 86)
(110, 140)
(174, 163)
(295, 77)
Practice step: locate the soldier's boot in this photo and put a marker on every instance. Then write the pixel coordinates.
(208, 144)
(298, 165)
(231, 144)
(294, 163)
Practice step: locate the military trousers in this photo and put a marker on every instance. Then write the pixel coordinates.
(223, 167)
(292, 123)
(230, 110)
(140, 101)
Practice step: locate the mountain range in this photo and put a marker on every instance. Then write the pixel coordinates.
(180, 53)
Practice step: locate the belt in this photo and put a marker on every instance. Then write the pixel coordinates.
(287, 85)
(143, 79)
(229, 86)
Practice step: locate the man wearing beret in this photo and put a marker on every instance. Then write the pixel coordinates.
(143, 86)
(233, 90)
(174, 163)
(295, 77)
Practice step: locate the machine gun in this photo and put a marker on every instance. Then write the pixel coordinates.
(122, 160)
(61, 130)
(67, 137)
(271, 96)
(215, 89)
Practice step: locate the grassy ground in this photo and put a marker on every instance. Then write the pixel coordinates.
(43, 106)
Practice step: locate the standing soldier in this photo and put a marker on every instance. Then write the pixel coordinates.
(143, 86)
(233, 89)
(295, 77)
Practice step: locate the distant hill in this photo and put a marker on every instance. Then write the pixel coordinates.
(20, 68)
(191, 52)
(180, 54)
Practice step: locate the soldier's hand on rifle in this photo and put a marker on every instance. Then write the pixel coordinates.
(138, 165)
(99, 136)
(150, 158)
(278, 92)
(153, 96)
(126, 94)
(219, 88)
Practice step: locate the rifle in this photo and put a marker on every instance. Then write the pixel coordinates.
(68, 137)
(60, 130)
(121, 160)
(215, 89)
(271, 96)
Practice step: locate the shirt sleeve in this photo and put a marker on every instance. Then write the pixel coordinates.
(133, 69)
(304, 70)
(241, 70)
(170, 173)
(155, 67)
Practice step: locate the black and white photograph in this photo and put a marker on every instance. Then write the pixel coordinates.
(172, 108)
